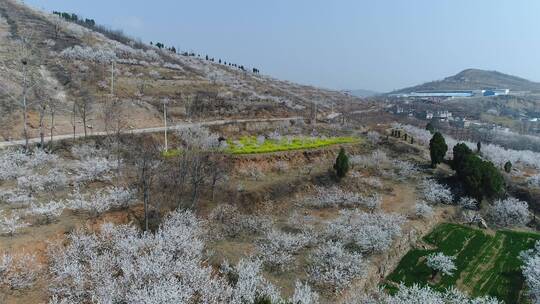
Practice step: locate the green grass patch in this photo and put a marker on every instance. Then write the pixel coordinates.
(171, 153)
(486, 264)
(251, 145)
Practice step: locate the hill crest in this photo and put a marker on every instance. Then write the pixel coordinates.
(472, 79)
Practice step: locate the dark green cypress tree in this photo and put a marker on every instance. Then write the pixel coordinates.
(508, 167)
(430, 128)
(492, 180)
(460, 151)
(437, 149)
(342, 164)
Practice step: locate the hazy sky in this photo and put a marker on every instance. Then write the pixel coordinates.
(350, 44)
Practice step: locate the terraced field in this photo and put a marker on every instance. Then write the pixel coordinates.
(486, 264)
(253, 145)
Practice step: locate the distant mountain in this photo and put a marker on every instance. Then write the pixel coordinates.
(476, 79)
(363, 93)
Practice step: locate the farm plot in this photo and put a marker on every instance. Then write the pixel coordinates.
(253, 145)
(485, 264)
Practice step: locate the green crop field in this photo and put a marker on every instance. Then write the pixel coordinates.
(250, 144)
(486, 264)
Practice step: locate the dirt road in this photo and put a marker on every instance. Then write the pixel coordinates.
(5, 144)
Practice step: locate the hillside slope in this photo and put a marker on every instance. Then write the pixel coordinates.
(476, 79)
(70, 67)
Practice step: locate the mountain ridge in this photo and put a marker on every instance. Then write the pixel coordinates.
(472, 79)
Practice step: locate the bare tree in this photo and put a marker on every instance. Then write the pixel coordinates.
(73, 120)
(53, 108)
(45, 101)
(115, 123)
(25, 62)
(199, 169)
(56, 27)
(83, 106)
(42, 108)
(146, 159)
(219, 168)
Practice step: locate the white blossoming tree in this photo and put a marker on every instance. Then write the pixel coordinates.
(277, 248)
(531, 271)
(333, 267)
(369, 232)
(435, 193)
(423, 210)
(18, 272)
(468, 203)
(441, 263)
(420, 295)
(509, 212)
(303, 294)
(9, 224)
(47, 211)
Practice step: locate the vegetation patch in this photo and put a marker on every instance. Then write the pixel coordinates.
(254, 145)
(485, 264)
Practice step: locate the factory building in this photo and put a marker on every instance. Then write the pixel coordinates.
(454, 93)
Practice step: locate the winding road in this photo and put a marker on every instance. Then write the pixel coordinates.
(19, 142)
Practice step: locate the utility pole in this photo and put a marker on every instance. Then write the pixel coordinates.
(112, 78)
(165, 102)
(25, 105)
